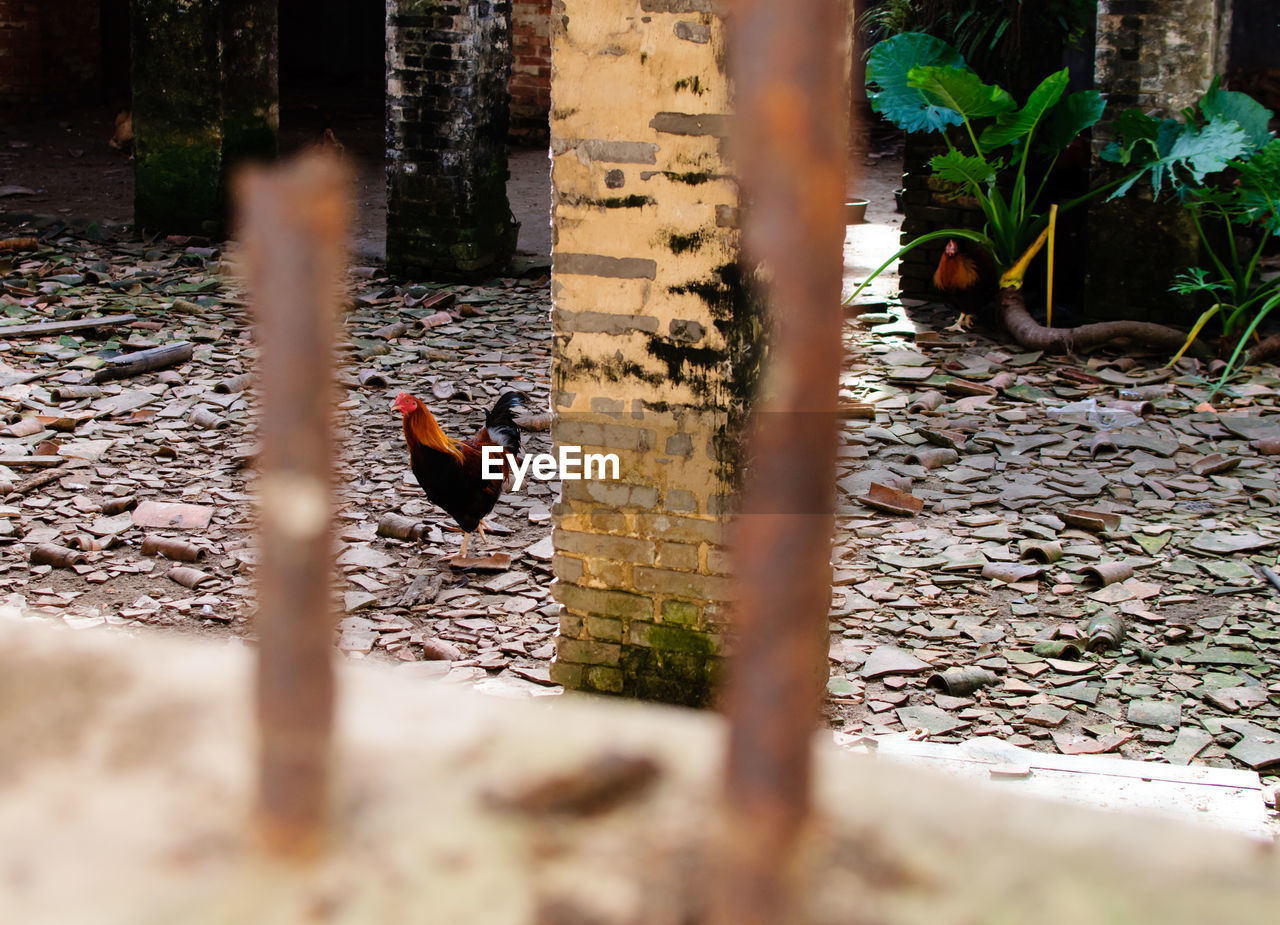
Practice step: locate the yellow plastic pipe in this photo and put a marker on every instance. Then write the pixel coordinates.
(1048, 299)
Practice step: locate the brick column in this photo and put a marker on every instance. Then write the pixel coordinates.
(448, 62)
(1157, 57)
(656, 342)
(204, 98)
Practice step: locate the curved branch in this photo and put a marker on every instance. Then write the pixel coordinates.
(1034, 336)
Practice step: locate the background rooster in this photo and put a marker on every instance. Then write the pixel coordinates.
(968, 280)
(449, 470)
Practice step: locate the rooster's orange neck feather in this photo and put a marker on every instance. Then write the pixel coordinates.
(420, 427)
(956, 272)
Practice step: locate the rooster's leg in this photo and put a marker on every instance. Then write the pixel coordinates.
(462, 553)
(962, 325)
(480, 533)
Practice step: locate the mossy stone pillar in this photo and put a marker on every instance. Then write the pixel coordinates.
(448, 62)
(205, 98)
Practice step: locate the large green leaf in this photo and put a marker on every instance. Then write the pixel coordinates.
(1240, 108)
(1136, 134)
(1187, 153)
(956, 167)
(1206, 151)
(888, 67)
(961, 90)
(1259, 188)
(1074, 113)
(1015, 126)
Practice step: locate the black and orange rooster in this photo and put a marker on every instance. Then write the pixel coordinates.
(968, 280)
(451, 471)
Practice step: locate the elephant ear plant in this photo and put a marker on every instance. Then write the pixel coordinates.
(1000, 154)
(1223, 164)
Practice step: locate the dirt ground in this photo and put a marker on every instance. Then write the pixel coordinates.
(1189, 503)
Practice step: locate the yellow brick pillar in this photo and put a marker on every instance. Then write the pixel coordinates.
(656, 346)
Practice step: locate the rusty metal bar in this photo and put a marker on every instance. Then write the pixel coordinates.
(293, 223)
(788, 63)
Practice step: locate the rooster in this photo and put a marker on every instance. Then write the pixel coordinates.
(122, 139)
(330, 145)
(450, 471)
(968, 280)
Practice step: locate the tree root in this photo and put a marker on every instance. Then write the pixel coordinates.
(1032, 336)
(1268, 349)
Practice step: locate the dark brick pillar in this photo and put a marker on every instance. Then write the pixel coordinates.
(448, 63)
(1158, 57)
(204, 98)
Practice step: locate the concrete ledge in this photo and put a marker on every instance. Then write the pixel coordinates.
(124, 786)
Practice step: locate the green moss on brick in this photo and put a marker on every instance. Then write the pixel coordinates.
(682, 612)
(605, 680)
(250, 139)
(687, 678)
(177, 185)
(678, 639)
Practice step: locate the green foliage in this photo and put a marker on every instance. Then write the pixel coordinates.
(956, 167)
(1013, 126)
(1197, 279)
(888, 68)
(1074, 113)
(1259, 188)
(1222, 163)
(990, 34)
(1178, 154)
(1242, 109)
(922, 84)
(960, 90)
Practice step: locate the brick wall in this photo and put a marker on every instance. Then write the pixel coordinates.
(50, 53)
(530, 83)
(448, 62)
(654, 342)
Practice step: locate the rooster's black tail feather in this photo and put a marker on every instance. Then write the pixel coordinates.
(500, 422)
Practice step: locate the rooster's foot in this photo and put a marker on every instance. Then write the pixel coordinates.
(963, 324)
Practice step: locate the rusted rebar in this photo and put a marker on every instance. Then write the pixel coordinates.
(293, 223)
(788, 62)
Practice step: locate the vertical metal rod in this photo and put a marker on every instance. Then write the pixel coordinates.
(293, 222)
(788, 67)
